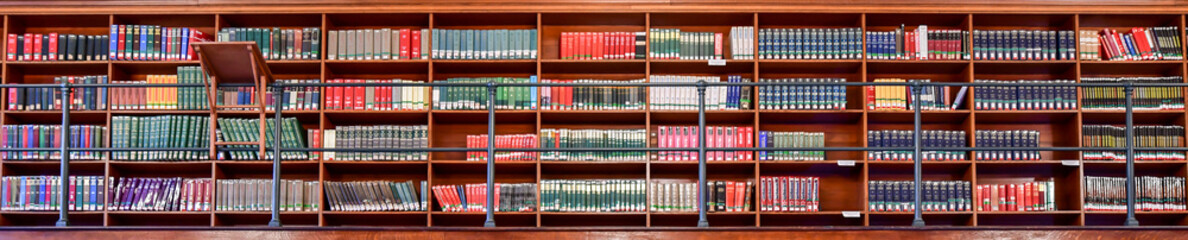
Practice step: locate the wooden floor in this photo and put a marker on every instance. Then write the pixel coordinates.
(597, 233)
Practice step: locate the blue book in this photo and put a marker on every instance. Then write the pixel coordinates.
(140, 55)
(112, 40)
(762, 144)
(532, 93)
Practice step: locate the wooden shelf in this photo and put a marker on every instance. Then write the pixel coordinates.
(845, 185)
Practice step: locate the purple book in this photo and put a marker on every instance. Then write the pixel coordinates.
(125, 195)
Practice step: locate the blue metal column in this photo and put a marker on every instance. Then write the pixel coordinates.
(917, 218)
(701, 183)
(277, 91)
(490, 155)
(64, 157)
(1129, 90)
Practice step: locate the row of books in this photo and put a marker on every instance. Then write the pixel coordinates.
(377, 44)
(715, 137)
(501, 141)
(184, 98)
(294, 98)
(721, 196)
(160, 194)
(470, 98)
(165, 131)
(901, 97)
(1144, 136)
(602, 45)
(677, 197)
(1006, 138)
(742, 42)
(672, 43)
(44, 193)
(906, 138)
(509, 197)
(1017, 197)
(1150, 193)
(563, 138)
(51, 98)
(1144, 98)
(593, 195)
(686, 98)
(248, 130)
(810, 43)
(56, 47)
(361, 196)
(236, 97)
(378, 136)
(153, 42)
(592, 98)
(1017, 44)
(256, 195)
(789, 194)
(50, 136)
(832, 97)
(484, 43)
(277, 43)
(920, 43)
(1025, 97)
(376, 97)
(937, 196)
(1141, 43)
(772, 139)
(149, 97)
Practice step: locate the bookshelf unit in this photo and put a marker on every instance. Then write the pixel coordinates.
(844, 188)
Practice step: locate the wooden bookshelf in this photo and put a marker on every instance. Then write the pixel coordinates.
(844, 187)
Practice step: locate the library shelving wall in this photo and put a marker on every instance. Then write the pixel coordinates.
(766, 189)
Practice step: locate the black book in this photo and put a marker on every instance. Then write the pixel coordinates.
(20, 47)
(45, 47)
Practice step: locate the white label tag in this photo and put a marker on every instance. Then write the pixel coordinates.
(1071, 163)
(851, 214)
(845, 163)
(717, 62)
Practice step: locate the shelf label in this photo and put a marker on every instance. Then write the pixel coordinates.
(851, 214)
(1071, 163)
(717, 62)
(845, 163)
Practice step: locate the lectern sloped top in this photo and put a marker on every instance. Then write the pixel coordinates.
(233, 62)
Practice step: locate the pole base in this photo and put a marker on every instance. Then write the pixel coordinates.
(702, 223)
(917, 222)
(274, 223)
(1131, 222)
(489, 223)
(62, 223)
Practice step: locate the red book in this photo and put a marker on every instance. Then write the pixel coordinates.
(870, 98)
(587, 46)
(359, 93)
(564, 54)
(730, 199)
(629, 45)
(348, 96)
(599, 46)
(718, 46)
(440, 200)
(497, 187)
(11, 54)
(405, 43)
(415, 38)
(28, 49)
(53, 49)
(37, 51)
(12, 99)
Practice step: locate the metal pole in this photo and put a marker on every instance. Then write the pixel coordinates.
(64, 156)
(917, 219)
(701, 219)
(490, 155)
(1129, 90)
(276, 156)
